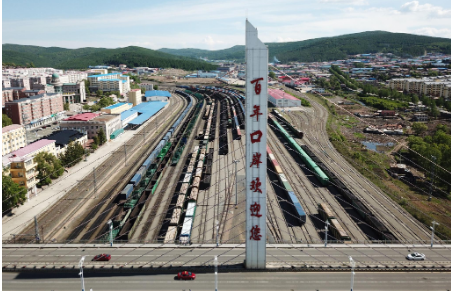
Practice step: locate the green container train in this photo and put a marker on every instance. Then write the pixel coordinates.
(322, 177)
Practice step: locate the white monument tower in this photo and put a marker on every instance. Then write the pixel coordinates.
(256, 122)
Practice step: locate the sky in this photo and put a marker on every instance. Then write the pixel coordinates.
(211, 24)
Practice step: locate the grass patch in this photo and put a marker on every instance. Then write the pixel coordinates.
(304, 102)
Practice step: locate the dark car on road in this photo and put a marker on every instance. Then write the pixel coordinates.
(185, 275)
(102, 257)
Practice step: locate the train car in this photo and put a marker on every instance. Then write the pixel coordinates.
(190, 209)
(136, 179)
(125, 193)
(325, 212)
(185, 234)
(196, 182)
(198, 172)
(171, 234)
(187, 178)
(298, 207)
(184, 188)
(238, 133)
(338, 231)
(175, 219)
(194, 193)
(147, 163)
(180, 200)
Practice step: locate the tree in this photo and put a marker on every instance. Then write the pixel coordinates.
(49, 167)
(143, 91)
(12, 193)
(74, 153)
(434, 110)
(419, 128)
(272, 75)
(155, 87)
(6, 120)
(66, 106)
(99, 93)
(101, 136)
(96, 140)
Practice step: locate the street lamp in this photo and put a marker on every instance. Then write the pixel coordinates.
(352, 272)
(216, 273)
(434, 223)
(326, 228)
(110, 223)
(81, 273)
(236, 181)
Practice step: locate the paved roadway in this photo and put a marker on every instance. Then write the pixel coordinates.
(294, 255)
(232, 281)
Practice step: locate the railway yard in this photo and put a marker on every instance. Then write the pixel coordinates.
(183, 182)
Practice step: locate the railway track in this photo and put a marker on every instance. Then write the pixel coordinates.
(402, 224)
(64, 212)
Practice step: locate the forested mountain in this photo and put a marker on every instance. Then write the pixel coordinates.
(62, 58)
(334, 48)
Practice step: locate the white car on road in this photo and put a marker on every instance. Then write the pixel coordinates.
(416, 257)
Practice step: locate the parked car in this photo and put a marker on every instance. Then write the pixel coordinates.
(102, 257)
(416, 257)
(185, 275)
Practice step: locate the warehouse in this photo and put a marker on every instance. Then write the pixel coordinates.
(117, 108)
(281, 99)
(157, 95)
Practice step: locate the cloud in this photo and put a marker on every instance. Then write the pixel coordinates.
(415, 6)
(211, 42)
(431, 31)
(346, 2)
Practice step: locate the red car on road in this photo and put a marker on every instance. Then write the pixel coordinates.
(102, 257)
(185, 275)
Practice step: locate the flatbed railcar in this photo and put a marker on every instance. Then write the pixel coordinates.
(338, 231)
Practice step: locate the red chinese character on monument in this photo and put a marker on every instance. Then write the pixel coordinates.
(255, 209)
(258, 87)
(255, 185)
(255, 233)
(256, 111)
(256, 136)
(256, 159)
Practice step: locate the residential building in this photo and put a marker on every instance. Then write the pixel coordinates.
(117, 108)
(22, 166)
(13, 138)
(146, 86)
(91, 123)
(21, 82)
(35, 110)
(420, 117)
(134, 96)
(110, 82)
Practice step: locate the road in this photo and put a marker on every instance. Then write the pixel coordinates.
(233, 281)
(282, 255)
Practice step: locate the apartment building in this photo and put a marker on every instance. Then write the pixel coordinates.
(429, 86)
(146, 86)
(36, 110)
(23, 82)
(134, 96)
(13, 138)
(74, 92)
(22, 166)
(91, 123)
(110, 82)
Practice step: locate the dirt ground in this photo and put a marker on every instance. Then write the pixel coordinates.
(178, 76)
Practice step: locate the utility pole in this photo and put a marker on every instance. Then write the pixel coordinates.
(352, 272)
(236, 181)
(217, 233)
(434, 223)
(216, 273)
(95, 182)
(81, 273)
(432, 178)
(125, 153)
(110, 223)
(327, 228)
(36, 229)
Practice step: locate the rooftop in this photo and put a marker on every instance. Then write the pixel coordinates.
(11, 127)
(82, 117)
(157, 93)
(147, 110)
(64, 137)
(118, 105)
(105, 117)
(103, 75)
(279, 94)
(31, 148)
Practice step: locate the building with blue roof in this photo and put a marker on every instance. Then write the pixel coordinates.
(157, 95)
(144, 110)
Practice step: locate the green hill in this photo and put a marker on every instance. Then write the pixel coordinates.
(333, 48)
(62, 58)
